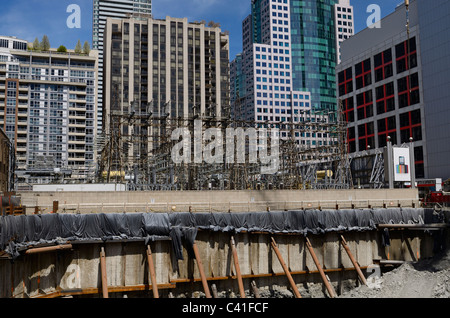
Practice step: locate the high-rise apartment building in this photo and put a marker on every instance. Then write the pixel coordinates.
(6, 163)
(394, 81)
(163, 68)
(47, 109)
(345, 28)
(121, 9)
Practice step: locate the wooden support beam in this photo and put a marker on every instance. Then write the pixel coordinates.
(152, 272)
(354, 262)
(253, 276)
(320, 269)
(237, 267)
(111, 289)
(285, 268)
(104, 274)
(48, 249)
(201, 270)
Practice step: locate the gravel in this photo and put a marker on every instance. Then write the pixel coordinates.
(423, 279)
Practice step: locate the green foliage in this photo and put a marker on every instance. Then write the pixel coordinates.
(45, 43)
(78, 47)
(86, 48)
(36, 45)
(62, 49)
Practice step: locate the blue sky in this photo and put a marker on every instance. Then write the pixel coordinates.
(28, 19)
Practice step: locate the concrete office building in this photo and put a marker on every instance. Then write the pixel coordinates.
(345, 28)
(394, 83)
(163, 67)
(121, 9)
(270, 78)
(47, 109)
(312, 55)
(314, 50)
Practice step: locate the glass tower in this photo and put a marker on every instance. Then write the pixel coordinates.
(314, 55)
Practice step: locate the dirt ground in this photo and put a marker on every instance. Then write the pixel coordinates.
(423, 279)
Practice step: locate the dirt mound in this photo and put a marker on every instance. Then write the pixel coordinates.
(423, 279)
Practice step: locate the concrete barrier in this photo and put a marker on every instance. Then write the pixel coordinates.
(217, 201)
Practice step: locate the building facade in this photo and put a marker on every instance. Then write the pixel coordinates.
(314, 50)
(167, 67)
(269, 79)
(392, 84)
(345, 27)
(47, 109)
(121, 9)
(7, 163)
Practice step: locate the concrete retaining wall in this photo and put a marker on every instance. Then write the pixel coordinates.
(77, 271)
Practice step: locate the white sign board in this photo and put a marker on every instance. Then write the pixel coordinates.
(402, 164)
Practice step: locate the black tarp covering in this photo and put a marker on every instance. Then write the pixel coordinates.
(20, 232)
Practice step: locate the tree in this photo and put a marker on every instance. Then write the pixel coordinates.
(36, 45)
(45, 43)
(86, 48)
(62, 49)
(78, 47)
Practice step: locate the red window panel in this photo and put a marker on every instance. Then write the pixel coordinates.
(411, 126)
(364, 102)
(408, 90)
(404, 60)
(383, 65)
(363, 76)
(387, 127)
(385, 98)
(345, 81)
(349, 110)
(366, 136)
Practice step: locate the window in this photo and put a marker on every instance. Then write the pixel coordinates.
(345, 81)
(4, 43)
(385, 98)
(351, 135)
(19, 46)
(408, 91)
(420, 167)
(366, 136)
(363, 74)
(349, 111)
(364, 103)
(386, 127)
(383, 65)
(404, 60)
(411, 126)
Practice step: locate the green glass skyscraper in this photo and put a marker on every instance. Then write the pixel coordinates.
(314, 51)
(303, 38)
